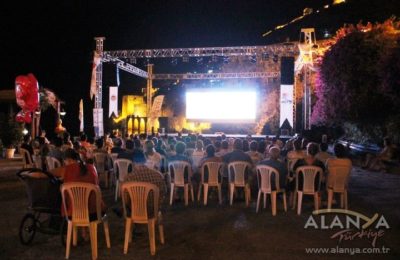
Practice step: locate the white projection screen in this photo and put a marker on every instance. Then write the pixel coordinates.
(221, 106)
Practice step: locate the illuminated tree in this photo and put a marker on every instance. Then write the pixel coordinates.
(359, 78)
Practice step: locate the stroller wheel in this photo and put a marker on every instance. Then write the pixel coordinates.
(27, 229)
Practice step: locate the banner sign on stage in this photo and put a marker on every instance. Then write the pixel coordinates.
(93, 81)
(81, 115)
(98, 121)
(156, 108)
(286, 101)
(113, 101)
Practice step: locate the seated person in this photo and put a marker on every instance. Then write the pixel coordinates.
(238, 155)
(117, 146)
(153, 159)
(210, 157)
(340, 160)
(275, 163)
(27, 146)
(180, 148)
(377, 162)
(142, 173)
(323, 155)
(309, 160)
(254, 154)
(56, 152)
(224, 148)
(75, 170)
(197, 155)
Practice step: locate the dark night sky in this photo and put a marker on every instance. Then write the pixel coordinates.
(55, 40)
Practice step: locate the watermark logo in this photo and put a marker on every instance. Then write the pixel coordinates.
(351, 224)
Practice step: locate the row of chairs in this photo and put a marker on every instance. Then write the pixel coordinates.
(337, 182)
(36, 161)
(135, 198)
(137, 193)
(267, 177)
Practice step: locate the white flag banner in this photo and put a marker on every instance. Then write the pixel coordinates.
(156, 108)
(98, 121)
(93, 81)
(113, 101)
(286, 104)
(81, 115)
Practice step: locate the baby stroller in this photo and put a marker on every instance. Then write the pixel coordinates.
(44, 206)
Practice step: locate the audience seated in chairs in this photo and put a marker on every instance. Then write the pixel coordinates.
(254, 154)
(323, 155)
(275, 163)
(153, 158)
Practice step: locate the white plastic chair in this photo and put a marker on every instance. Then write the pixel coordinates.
(177, 177)
(309, 174)
(37, 159)
(121, 167)
(139, 196)
(267, 175)
(237, 178)
(214, 179)
(52, 163)
(338, 178)
(113, 157)
(100, 162)
(78, 196)
(26, 158)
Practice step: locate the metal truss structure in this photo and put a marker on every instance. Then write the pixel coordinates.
(287, 49)
(125, 66)
(263, 53)
(235, 75)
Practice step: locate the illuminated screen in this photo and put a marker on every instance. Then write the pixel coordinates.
(217, 105)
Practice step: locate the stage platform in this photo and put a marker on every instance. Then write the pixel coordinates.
(282, 137)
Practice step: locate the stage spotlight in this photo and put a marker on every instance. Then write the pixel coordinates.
(214, 58)
(132, 60)
(226, 60)
(185, 59)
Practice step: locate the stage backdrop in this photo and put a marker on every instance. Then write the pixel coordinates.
(286, 100)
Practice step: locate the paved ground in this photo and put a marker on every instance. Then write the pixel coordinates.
(217, 232)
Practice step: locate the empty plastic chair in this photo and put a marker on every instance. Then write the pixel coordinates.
(52, 163)
(100, 162)
(121, 168)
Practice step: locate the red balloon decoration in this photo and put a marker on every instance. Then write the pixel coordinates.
(27, 96)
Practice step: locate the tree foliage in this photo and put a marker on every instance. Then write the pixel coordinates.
(358, 81)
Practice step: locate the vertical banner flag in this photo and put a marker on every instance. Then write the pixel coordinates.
(113, 101)
(286, 101)
(98, 121)
(156, 108)
(93, 84)
(81, 115)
